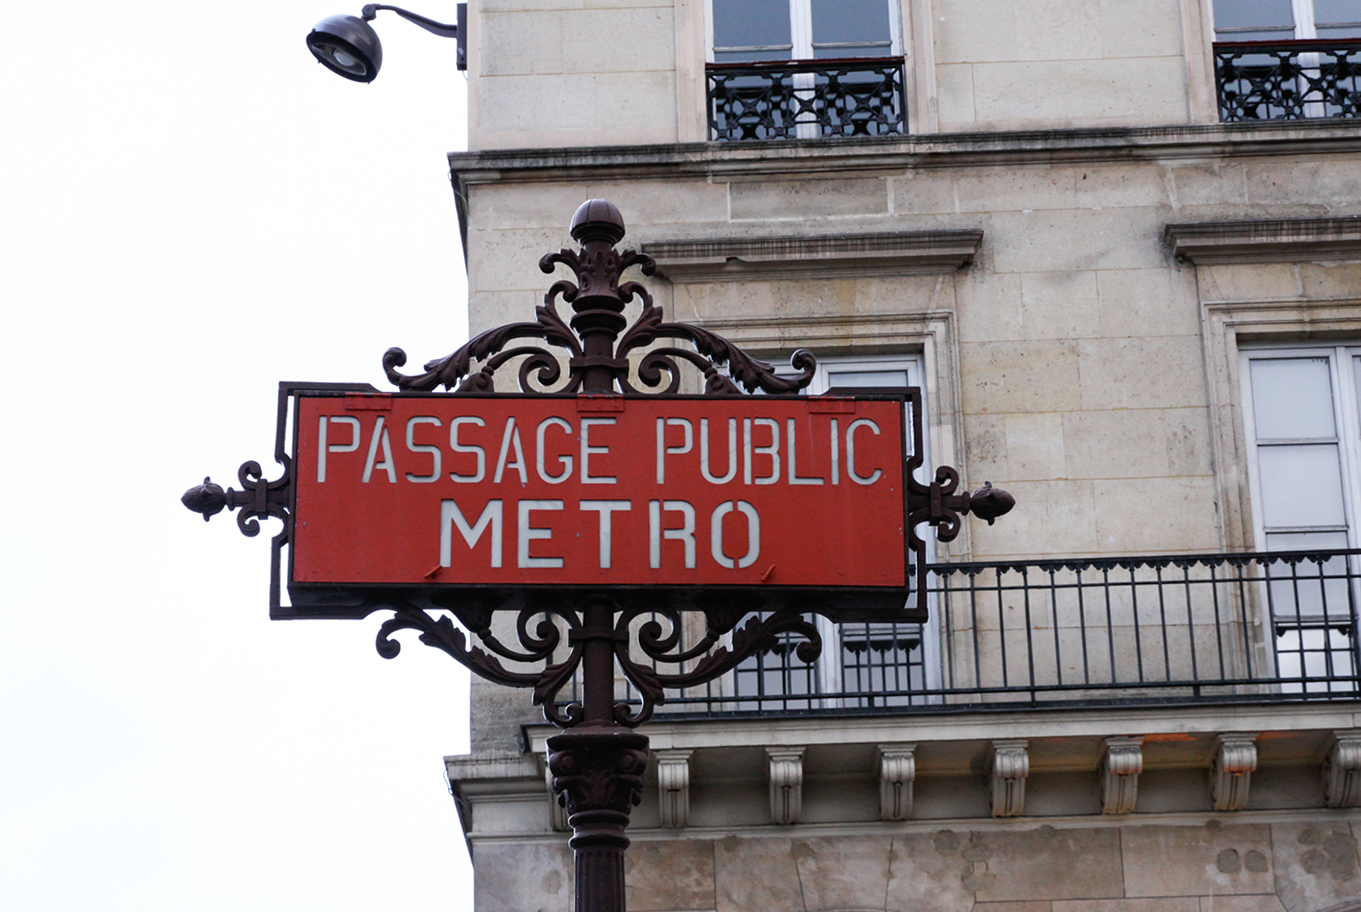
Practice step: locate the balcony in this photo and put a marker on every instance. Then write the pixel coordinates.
(1288, 80)
(1157, 630)
(806, 99)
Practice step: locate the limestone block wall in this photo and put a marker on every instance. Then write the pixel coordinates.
(1208, 865)
(556, 73)
(1046, 64)
(548, 73)
(1067, 363)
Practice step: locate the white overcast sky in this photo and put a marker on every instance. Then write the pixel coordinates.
(191, 209)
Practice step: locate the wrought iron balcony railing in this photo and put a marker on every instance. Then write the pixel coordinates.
(1288, 80)
(1121, 630)
(807, 99)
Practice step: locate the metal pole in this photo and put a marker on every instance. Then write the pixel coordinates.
(598, 765)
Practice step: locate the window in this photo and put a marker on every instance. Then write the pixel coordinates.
(1282, 20)
(1304, 429)
(863, 665)
(785, 69)
(766, 30)
(1265, 73)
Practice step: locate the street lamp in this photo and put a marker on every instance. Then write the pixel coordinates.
(349, 46)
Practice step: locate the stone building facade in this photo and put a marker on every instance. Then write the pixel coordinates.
(1119, 248)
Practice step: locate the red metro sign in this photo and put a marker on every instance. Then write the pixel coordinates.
(790, 497)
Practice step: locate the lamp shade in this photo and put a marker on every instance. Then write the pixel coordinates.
(347, 45)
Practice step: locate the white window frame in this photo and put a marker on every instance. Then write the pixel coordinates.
(829, 665)
(1346, 419)
(830, 671)
(1344, 374)
(801, 30)
(911, 30)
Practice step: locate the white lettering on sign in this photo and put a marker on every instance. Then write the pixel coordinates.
(764, 458)
(451, 515)
(668, 520)
(414, 447)
(511, 438)
(380, 435)
(481, 454)
(850, 451)
(750, 452)
(587, 450)
(794, 478)
(753, 534)
(566, 461)
(704, 452)
(606, 508)
(528, 533)
(685, 534)
(663, 449)
(836, 454)
(323, 448)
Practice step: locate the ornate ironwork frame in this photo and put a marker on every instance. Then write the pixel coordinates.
(598, 763)
(1288, 80)
(854, 96)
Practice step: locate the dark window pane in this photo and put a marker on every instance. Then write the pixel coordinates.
(1338, 18)
(752, 24)
(851, 28)
(826, 52)
(1336, 12)
(1243, 14)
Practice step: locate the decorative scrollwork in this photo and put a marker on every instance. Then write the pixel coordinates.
(454, 371)
(536, 646)
(594, 361)
(756, 634)
(538, 632)
(714, 351)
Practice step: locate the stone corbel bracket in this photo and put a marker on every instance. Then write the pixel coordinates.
(1342, 770)
(897, 774)
(1231, 773)
(827, 256)
(1120, 768)
(786, 784)
(1008, 767)
(673, 786)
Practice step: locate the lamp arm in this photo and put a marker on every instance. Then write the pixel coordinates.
(430, 25)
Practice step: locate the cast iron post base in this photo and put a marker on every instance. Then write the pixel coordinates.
(598, 775)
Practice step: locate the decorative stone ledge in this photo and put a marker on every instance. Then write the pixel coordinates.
(1008, 767)
(673, 786)
(827, 256)
(786, 784)
(1231, 775)
(1120, 769)
(1342, 771)
(1265, 240)
(897, 774)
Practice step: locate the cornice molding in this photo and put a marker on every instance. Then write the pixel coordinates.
(825, 256)
(1264, 240)
(798, 158)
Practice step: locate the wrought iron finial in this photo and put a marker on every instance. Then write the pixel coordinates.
(598, 339)
(256, 500)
